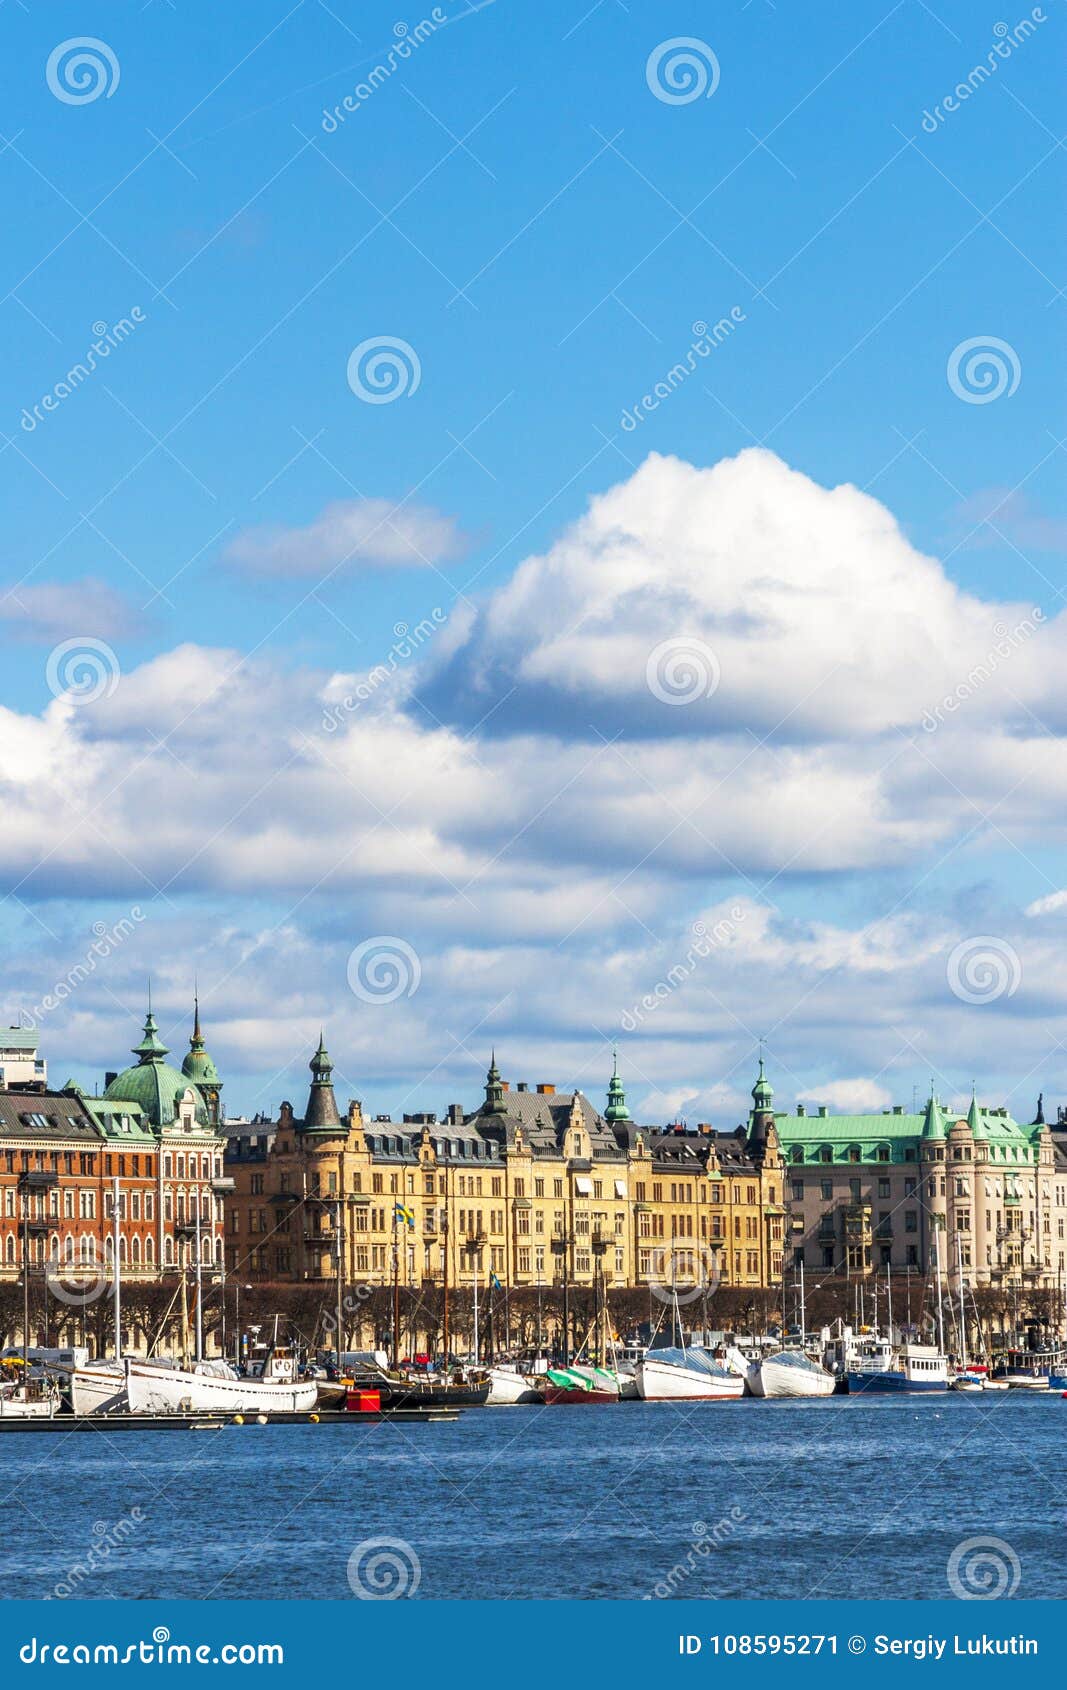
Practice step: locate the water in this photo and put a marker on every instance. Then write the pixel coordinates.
(858, 1497)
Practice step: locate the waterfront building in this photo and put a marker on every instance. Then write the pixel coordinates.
(155, 1133)
(536, 1190)
(894, 1190)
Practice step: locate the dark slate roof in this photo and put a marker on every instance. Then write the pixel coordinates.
(58, 1116)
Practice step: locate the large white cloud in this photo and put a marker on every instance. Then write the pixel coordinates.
(548, 866)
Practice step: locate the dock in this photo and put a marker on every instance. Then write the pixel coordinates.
(216, 1422)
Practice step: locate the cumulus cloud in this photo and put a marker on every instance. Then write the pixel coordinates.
(804, 609)
(56, 610)
(349, 534)
(549, 866)
(850, 1097)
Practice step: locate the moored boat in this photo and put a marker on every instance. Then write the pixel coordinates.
(567, 1385)
(874, 1367)
(212, 1387)
(507, 1386)
(790, 1373)
(680, 1375)
(99, 1387)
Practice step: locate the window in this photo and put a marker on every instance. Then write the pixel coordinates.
(798, 1191)
(883, 1188)
(855, 1190)
(854, 1153)
(797, 1153)
(826, 1188)
(911, 1221)
(826, 1153)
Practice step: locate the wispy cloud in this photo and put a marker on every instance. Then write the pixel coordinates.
(54, 610)
(351, 534)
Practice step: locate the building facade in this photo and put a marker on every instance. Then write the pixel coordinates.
(536, 1189)
(153, 1139)
(972, 1192)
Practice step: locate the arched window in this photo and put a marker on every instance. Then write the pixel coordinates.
(149, 1250)
(168, 1250)
(854, 1153)
(135, 1250)
(883, 1153)
(826, 1153)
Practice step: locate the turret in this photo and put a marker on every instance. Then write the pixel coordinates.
(616, 1109)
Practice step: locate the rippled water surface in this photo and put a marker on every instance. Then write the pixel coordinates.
(841, 1497)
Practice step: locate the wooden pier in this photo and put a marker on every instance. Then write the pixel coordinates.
(216, 1422)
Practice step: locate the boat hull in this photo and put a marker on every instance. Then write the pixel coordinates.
(895, 1384)
(768, 1379)
(507, 1387)
(98, 1389)
(165, 1390)
(661, 1382)
(568, 1394)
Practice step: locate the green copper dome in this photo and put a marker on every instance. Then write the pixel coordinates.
(616, 1109)
(198, 1065)
(762, 1091)
(153, 1083)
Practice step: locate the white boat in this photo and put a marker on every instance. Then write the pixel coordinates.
(790, 1373)
(99, 1387)
(507, 1385)
(27, 1402)
(212, 1387)
(685, 1375)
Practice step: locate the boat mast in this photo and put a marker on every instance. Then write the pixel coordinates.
(476, 1264)
(803, 1306)
(339, 1241)
(889, 1298)
(396, 1292)
(963, 1309)
(444, 1274)
(940, 1305)
(199, 1285)
(116, 1277)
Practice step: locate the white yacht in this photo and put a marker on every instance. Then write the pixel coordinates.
(212, 1387)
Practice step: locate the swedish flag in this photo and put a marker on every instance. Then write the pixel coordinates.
(494, 1282)
(403, 1215)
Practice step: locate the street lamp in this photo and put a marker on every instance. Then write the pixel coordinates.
(30, 1181)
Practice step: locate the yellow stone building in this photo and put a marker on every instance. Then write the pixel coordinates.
(537, 1189)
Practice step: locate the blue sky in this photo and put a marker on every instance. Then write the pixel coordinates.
(514, 202)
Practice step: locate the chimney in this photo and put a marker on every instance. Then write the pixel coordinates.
(706, 1128)
(801, 1111)
(824, 1110)
(522, 1086)
(546, 1091)
(112, 1074)
(898, 1109)
(505, 1085)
